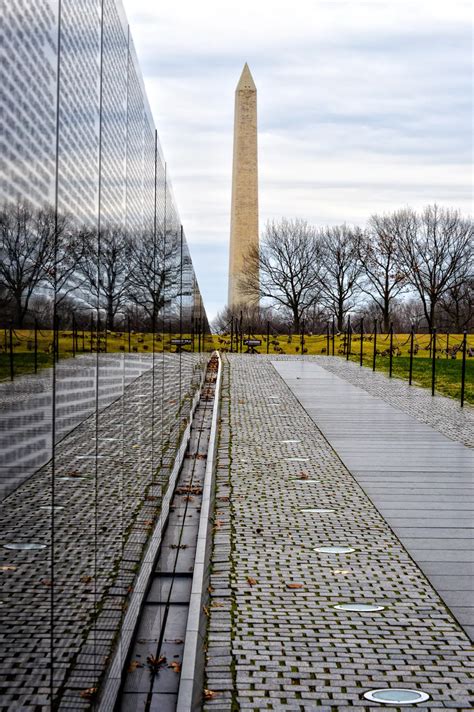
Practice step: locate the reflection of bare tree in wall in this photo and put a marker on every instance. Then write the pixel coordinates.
(105, 269)
(288, 267)
(154, 273)
(27, 245)
(436, 253)
(341, 270)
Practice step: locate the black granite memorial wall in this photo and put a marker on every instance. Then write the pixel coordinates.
(98, 295)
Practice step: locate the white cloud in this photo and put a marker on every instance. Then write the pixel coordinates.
(363, 107)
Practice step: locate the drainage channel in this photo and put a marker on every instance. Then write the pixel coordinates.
(153, 673)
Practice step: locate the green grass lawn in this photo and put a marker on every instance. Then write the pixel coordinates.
(448, 376)
(448, 373)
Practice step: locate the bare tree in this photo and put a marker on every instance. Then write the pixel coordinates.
(342, 270)
(378, 254)
(104, 267)
(436, 251)
(27, 242)
(289, 262)
(457, 305)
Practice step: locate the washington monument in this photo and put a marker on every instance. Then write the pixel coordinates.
(244, 209)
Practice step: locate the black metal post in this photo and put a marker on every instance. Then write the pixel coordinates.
(83, 341)
(327, 338)
(12, 368)
(390, 369)
(73, 336)
(268, 337)
(231, 333)
(240, 333)
(129, 336)
(348, 339)
(333, 335)
(361, 341)
(36, 345)
(92, 330)
(56, 339)
(302, 337)
(433, 362)
(374, 358)
(447, 344)
(412, 337)
(463, 368)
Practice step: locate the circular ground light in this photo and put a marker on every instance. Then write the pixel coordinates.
(24, 547)
(318, 511)
(334, 549)
(50, 508)
(297, 459)
(69, 479)
(359, 607)
(288, 442)
(396, 696)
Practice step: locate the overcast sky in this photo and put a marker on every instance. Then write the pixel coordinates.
(363, 107)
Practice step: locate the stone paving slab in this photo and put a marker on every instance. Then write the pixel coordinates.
(275, 640)
(439, 412)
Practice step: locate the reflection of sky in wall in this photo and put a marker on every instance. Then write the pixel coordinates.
(28, 124)
(363, 107)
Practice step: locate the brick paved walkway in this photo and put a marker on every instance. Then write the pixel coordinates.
(275, 640)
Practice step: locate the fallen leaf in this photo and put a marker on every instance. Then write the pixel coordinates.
(223, 498)
(295, 585)
(176, 667)
(134, 665)
(251, 581)
(177, 641)
(209, 694)
(217, 604)
(88, 694)
(7, 568)
(86, 579)
(218, 523)
(303, 476)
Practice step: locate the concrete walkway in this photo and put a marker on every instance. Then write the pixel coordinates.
(420, 481)
(276, 638)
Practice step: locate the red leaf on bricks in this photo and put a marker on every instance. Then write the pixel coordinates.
(89, 693)
(295, 585)
(251, 581)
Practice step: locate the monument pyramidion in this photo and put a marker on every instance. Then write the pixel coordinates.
(244, 208)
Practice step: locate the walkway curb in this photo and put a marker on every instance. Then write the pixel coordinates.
(192, 670)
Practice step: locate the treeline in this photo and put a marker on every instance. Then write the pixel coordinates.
(123, 277)
(407, 268)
